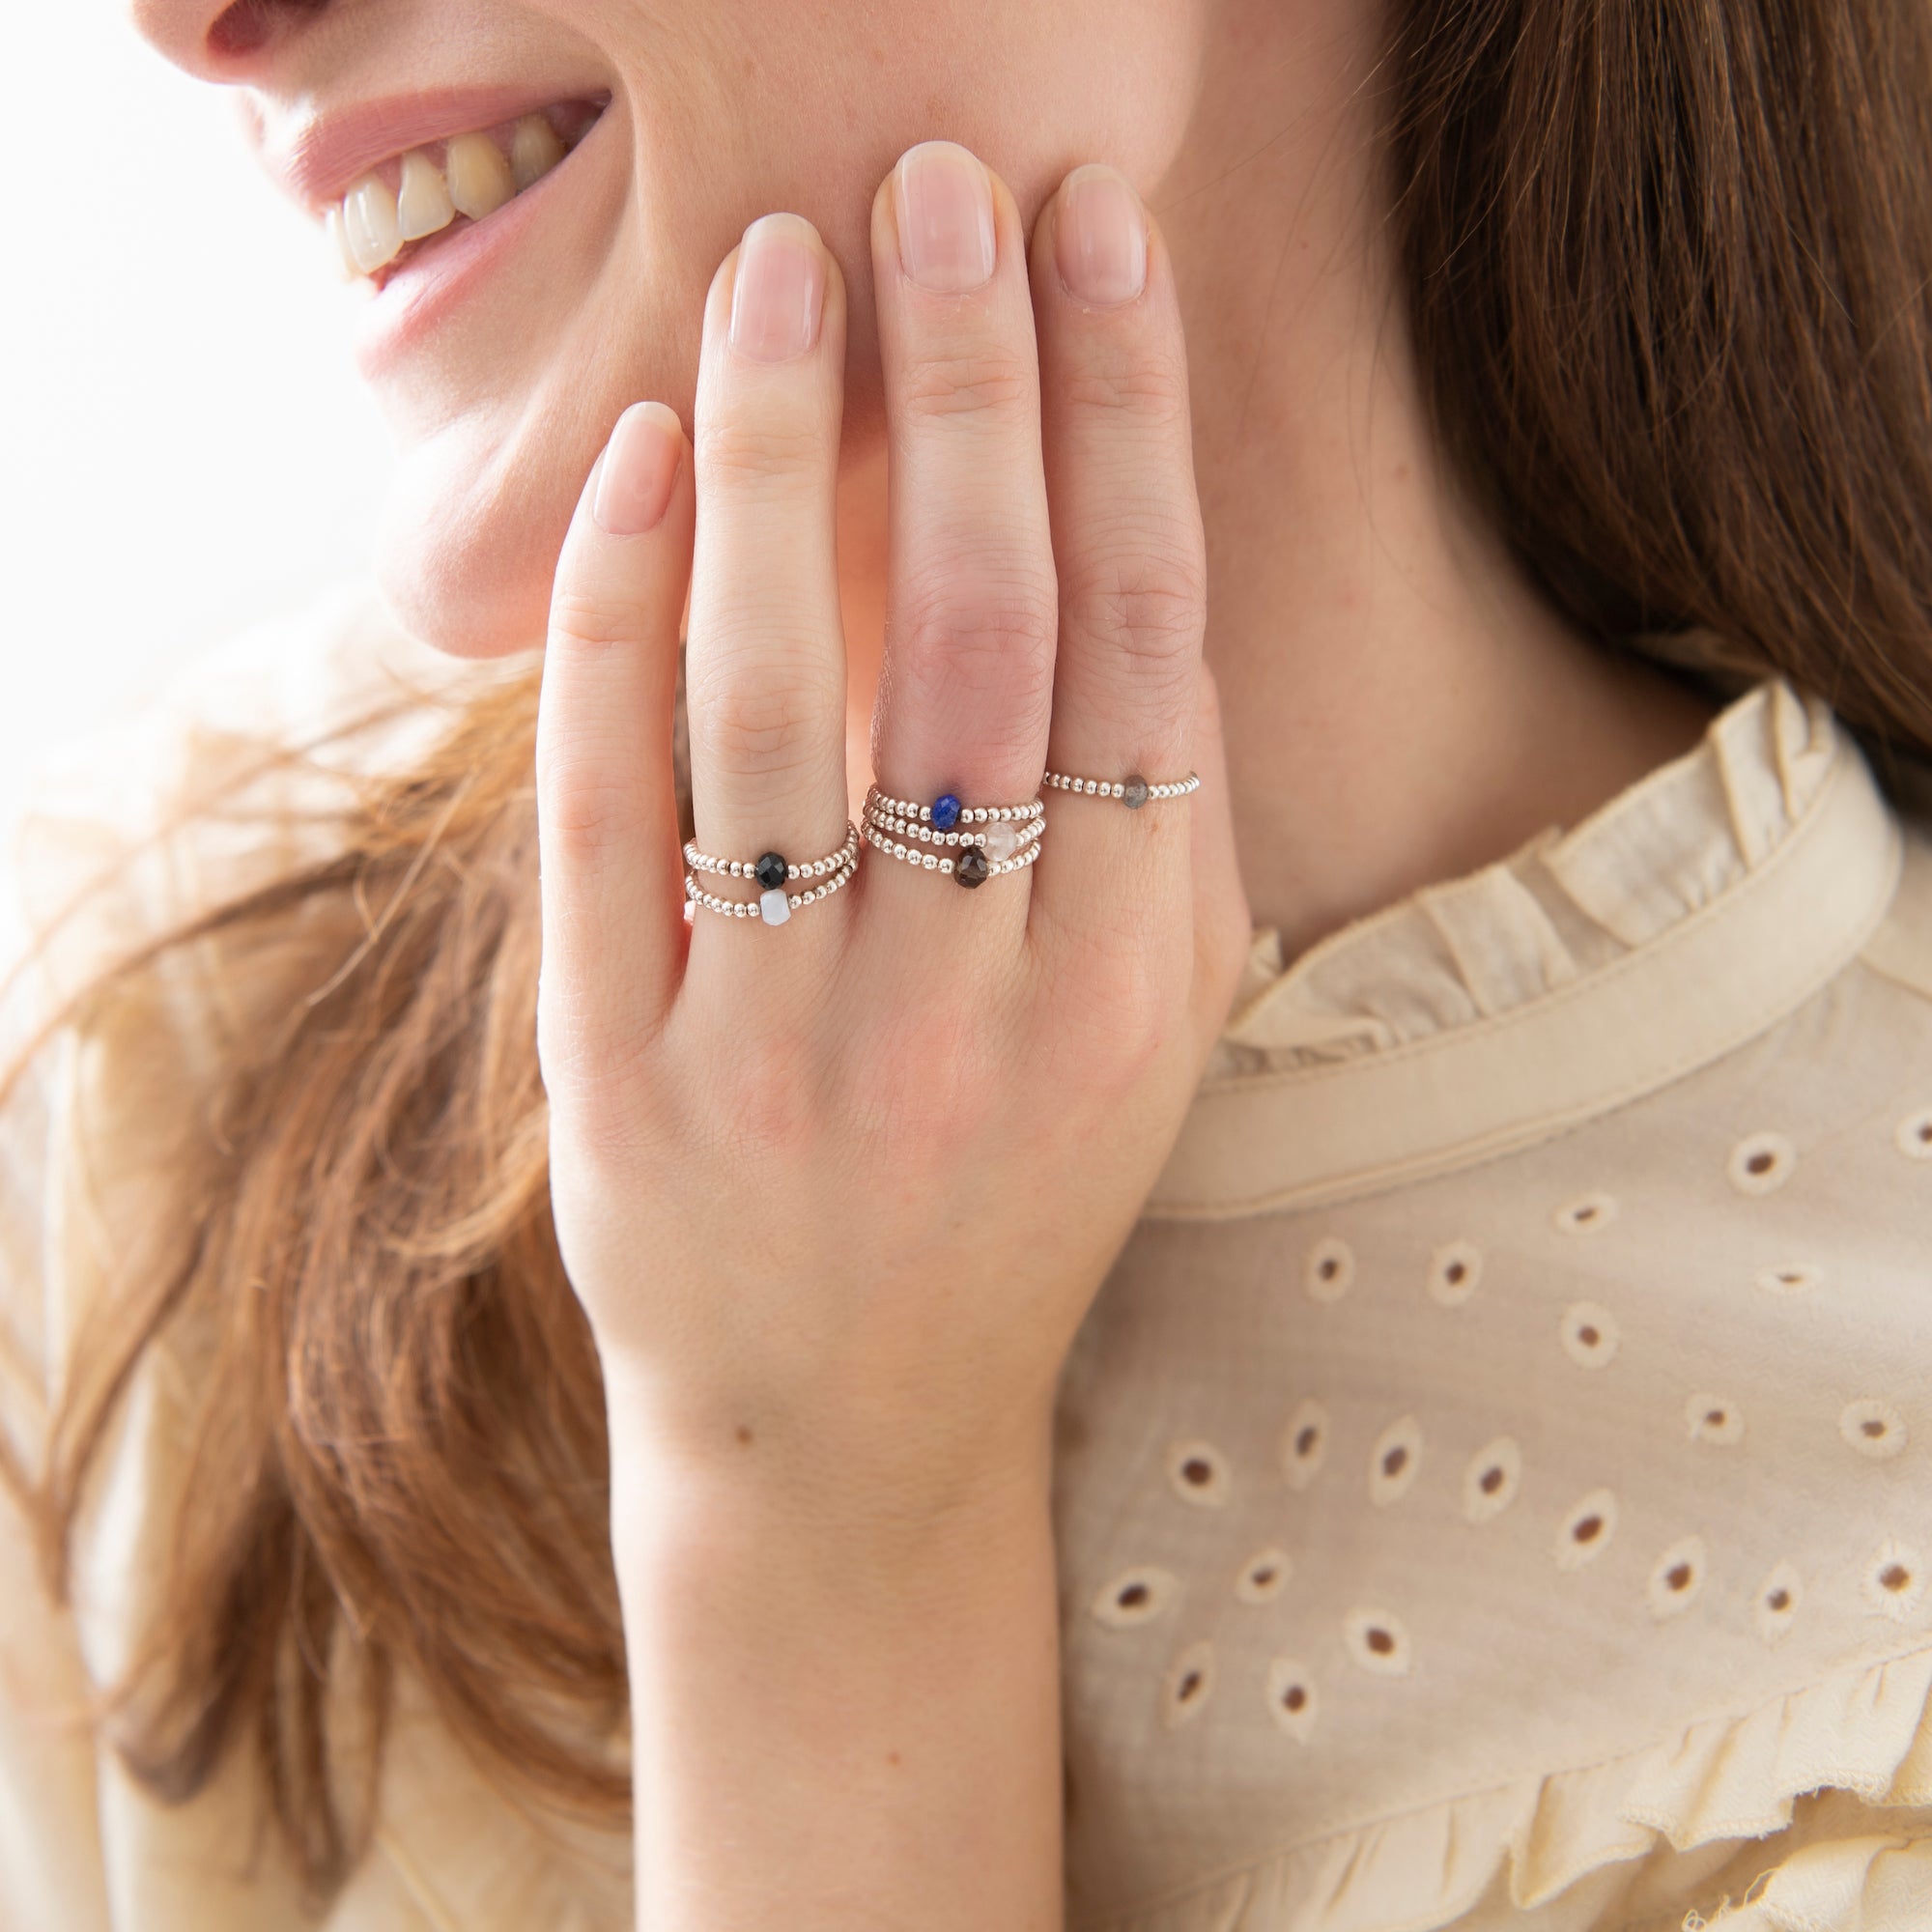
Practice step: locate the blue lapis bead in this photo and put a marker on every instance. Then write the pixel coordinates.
(945, 812)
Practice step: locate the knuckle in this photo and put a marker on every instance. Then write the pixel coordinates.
(743, 451)
(601, 1092)
(1146, 603)
(968, 380)
(592, 619)
(586, 809)
(1121, 1025)
(742, 725)
(1152, 390)
(982, 624)
(966, 638)
(762, 1109)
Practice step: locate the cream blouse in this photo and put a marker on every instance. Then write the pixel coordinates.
(1492, 1487)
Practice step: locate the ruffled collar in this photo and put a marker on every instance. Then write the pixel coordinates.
(1589, 966)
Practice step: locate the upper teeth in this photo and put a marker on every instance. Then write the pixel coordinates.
(422, 203)
(372, 222)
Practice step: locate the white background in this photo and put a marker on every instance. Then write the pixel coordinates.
(184, 444)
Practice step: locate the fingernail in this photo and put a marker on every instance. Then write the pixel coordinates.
(1099, 236)
(780, 289)
(944, 204)
(640, 467)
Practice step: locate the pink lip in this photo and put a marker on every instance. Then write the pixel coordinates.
(320, 159)
(418, 295)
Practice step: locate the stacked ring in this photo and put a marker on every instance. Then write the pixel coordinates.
(774, 905)
(1133, 791)
(1009, 841)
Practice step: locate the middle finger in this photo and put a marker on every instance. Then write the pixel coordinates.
(972, 595)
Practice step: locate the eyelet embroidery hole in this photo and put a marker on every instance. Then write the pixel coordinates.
(1489, 1483)
(1778, 1597)
(1395, 1461)
(1760, 1163)
(1589, 1334)
(1188, 1684)
(1454, 1270)
(1676, 1577)
(1874, 1429)
(1135, 1597)
(1791, 1278)
(1292, 1697)
(1716, 1419)
(1330, 1270)
(1894, 1580)
(1585, 1533)
(1378, 1641)
(1199, 1473)
(1913, 1136)
(1304, 1444)
(1587, 1214)
(1263, 1577)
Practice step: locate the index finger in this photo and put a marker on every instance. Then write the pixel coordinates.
(611, 870)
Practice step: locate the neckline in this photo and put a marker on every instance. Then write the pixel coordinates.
(1686, 913)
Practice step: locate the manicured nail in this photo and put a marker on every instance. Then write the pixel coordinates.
(943, 203)
(1099, 236)
(640, 467)
(780, 289)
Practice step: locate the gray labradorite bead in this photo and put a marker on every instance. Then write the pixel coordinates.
(970, 868)
(1135, 794)
(771, 870)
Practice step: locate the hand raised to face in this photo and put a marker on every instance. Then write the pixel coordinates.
(847, 1183)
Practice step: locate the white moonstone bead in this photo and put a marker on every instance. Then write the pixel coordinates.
(774, 908)
(1000, 840)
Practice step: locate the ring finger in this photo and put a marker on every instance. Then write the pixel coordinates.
(765, 656)
(1130, 546)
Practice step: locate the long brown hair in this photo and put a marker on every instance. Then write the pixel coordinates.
(1666, 269)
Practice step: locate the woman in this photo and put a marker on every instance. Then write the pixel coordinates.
(1340, 1349)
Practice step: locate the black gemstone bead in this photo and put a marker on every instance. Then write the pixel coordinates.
(970, 868)
(771, 870)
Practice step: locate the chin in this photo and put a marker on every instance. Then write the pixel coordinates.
(467, 546)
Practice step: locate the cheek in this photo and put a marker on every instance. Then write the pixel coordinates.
(484, 490)
(492, 454)
(473, 526)
(497, 439)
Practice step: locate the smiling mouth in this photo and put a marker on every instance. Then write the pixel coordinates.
(408, 204)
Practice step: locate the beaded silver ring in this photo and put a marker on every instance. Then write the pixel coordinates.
(986, 839)
(1133, 791)
(1001, 839)
(772, 869)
